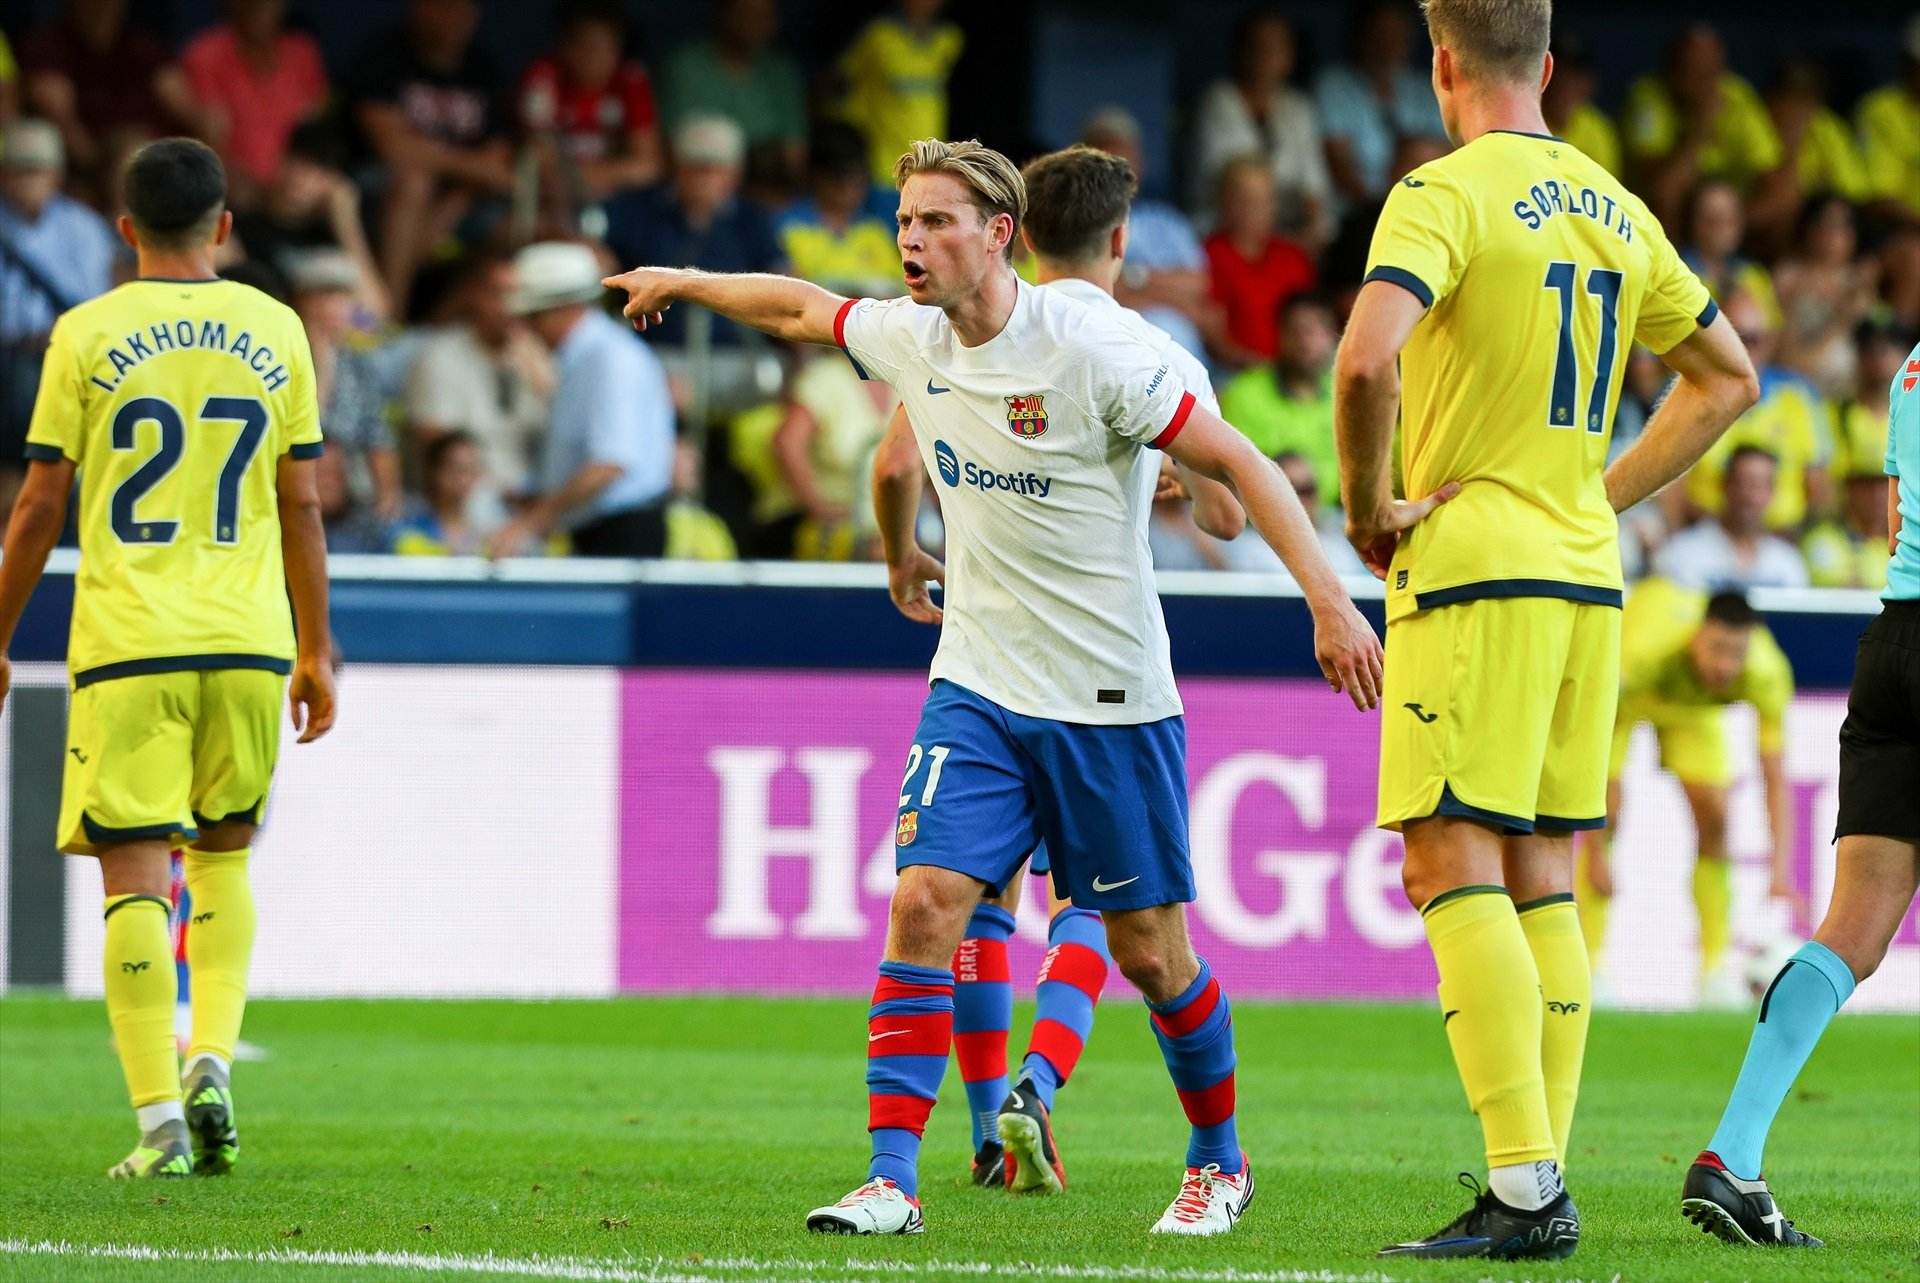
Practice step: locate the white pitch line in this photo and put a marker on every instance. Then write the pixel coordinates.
(574, 1271)
(660, 1269)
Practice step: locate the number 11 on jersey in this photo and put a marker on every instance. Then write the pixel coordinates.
(1604, 284)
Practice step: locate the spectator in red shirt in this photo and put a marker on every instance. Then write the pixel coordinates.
(1255, 269)
(254, 80)
(590, 109)
(106, 84)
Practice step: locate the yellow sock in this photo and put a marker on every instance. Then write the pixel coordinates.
(1713, 897)
(1491, 1005)
(1592, 907)
(1559, 949)
(141, 989)
(219, 947)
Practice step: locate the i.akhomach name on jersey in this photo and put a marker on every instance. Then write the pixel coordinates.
(160, 339)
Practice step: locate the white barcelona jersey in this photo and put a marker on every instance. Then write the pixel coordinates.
(1037, 440)
(1185, 364)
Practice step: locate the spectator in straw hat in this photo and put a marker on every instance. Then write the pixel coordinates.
(606, 470)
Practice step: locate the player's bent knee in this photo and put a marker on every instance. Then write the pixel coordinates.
(927, 910)
(1421, 884)
(136, 868)
(1146, 967)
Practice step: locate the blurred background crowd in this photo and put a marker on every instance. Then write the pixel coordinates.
(438, 208)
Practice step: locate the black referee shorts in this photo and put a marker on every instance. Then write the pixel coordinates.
(1880, 740)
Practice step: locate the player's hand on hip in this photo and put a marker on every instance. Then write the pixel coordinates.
(1375, 536)
(1349, 653)
(907, 583)
(310, 698)
(649, 294)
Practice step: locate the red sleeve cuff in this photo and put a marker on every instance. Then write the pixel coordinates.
(840, 322)
(1172, 430)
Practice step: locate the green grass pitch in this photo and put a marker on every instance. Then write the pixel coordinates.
(683, 1141)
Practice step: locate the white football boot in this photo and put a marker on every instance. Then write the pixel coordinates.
(1209, 1201)
(878, 1207)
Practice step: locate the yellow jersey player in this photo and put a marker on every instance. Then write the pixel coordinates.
(186, 405)
(1684, 657)
(1506, 282)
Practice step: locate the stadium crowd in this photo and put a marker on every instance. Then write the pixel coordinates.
(440, 222)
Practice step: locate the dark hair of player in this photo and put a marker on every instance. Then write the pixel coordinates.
(1493, 39)
(1732, 609)
(175, 190)
(1075, 198)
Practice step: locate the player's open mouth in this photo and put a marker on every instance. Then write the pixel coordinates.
(913, 273)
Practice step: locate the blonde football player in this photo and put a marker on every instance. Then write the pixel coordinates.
(1505, 284)
(186, 405)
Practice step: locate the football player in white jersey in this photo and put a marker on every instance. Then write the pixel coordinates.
(1052, 713)
(1078, 202)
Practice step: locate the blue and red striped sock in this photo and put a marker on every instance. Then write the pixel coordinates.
(1196, 1038)
(982, 1015)
(1071, 978)
(909, 1028)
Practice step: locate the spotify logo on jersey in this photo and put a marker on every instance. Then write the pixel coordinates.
(955, 473)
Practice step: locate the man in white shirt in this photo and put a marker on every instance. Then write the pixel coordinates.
(1053, 712)
(486, 375)
(1079, 229)
(1733, 551)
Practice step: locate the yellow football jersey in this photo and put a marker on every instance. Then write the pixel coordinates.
(1659, 621)
(897, 86)
(1538, 269)
(176, 399)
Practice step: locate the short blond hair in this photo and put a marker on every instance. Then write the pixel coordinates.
(993, 179)
(1493, 39)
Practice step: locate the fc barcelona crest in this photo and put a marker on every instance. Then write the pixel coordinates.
(907, 830)
(1026, 416)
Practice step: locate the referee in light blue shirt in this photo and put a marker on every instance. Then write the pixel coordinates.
(1876, 870)
(606, 469)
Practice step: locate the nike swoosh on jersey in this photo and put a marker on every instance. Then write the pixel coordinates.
(1098, 885)
(934, 391)
(891, 1033)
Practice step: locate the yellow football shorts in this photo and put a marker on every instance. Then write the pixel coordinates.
(1499, 709)
(1693, 739)
(160, 755)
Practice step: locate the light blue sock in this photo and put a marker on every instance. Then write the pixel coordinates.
(1813, 985)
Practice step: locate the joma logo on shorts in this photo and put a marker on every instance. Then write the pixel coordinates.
(1563, 1008)
(134, 968)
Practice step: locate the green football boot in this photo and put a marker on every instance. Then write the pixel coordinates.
(161, 1154)
(208, 1091)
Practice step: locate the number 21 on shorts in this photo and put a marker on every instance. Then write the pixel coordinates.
(908, 826)
(936, 760)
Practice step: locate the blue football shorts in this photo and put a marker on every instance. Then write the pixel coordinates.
(985, 786)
